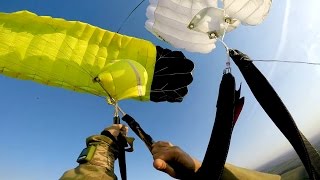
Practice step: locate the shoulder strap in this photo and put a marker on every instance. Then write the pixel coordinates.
(274, 107)
(229, 105)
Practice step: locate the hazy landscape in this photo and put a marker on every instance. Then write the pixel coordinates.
(289, 165)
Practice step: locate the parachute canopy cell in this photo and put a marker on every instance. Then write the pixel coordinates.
(195, 25)
(85, 58)
(169, 19)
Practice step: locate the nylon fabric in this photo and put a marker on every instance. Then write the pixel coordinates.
(70, 54)
(218, 147)
(277, 111)
(212, 20)
(196, 25)
(173, 74)
(169, 19)
(124, 79)
(233, 12)
(249, 12)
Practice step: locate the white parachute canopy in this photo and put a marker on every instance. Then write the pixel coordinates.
(195, 25)
(169, 20)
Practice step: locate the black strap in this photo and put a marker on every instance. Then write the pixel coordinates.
(109, 135)
(122, 143)
(213, 164)
(147, 139)
(218, 147)
(122, 163)
(274, 107)
(136, 128)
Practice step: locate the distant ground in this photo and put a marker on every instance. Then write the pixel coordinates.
(289, 165)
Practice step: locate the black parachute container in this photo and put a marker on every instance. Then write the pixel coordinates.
(276, 110)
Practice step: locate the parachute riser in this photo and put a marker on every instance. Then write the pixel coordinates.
(229, 106)
(278, 113)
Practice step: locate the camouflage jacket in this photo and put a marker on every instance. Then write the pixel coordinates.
(101, 166)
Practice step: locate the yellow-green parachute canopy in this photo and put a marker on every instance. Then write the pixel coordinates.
(85, 58)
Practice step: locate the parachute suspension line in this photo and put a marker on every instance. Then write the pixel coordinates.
(114, 103)
(126, 19)
(286, 61)
(116, 110)
(121, 111)
(228, 67)
(224, 44)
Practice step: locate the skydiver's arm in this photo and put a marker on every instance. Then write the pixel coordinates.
(233, 172)
(178, 164)
(101, 153)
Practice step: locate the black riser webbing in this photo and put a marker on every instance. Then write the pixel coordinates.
(122, 153)
(218, 147)
(136, 128)
(274, 107)
(147, 139)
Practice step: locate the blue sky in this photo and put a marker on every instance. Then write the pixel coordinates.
(43, 129)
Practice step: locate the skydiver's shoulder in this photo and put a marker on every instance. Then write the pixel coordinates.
(233, 172)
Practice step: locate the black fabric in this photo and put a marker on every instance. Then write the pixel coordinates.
(109, 135)
(213, 164)
(136, 128)
(274, 107)
(172, 75)
(122, 143)
(238, 105)
(147, 139)
(122, 163)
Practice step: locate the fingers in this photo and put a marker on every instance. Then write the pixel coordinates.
(124, 130)
(161, 165)
(161, 144)
(162, 150)
(115, 129)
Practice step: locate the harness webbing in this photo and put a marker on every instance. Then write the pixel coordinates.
(122, 143)
(136, 128)
(274, 107)
(213, 164)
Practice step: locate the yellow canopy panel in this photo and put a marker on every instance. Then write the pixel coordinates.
(71, 54)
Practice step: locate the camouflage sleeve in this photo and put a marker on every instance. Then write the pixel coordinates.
(100, 166)
(232, 172)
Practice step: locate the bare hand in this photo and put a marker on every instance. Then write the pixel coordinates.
(173, 160)
(115, 129)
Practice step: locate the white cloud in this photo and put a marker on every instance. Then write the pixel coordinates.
(284, 31)
(283, 39)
